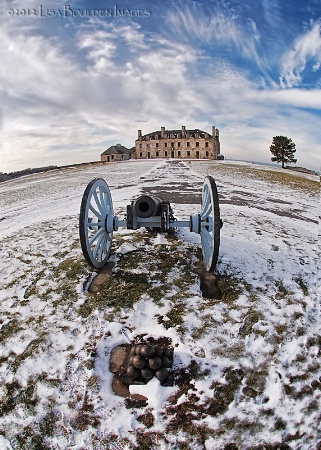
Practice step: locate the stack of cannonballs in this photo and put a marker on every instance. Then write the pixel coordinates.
(147, 361)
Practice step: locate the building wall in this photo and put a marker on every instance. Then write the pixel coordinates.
(115, 157)
(178, 144)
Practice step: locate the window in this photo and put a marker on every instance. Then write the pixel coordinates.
(178, 153)
(197, 144)
(156, 144)
(140, 145)
(140, 155)
(188, 144)
(165, 153)
(172, 144)
(206, 144)
(157, 153)
(165, 144)
(188, 153)
(147, 145)
(178, 144)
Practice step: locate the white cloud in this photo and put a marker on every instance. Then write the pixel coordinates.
(305, 49)
(216, 26)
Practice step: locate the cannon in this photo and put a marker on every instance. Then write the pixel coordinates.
(97, 221)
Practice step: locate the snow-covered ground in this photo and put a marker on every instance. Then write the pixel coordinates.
(247, 365)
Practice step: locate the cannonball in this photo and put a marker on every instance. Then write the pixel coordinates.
(162, 374)
(147, 351)
(147, 374)
(132, 372)
(138, 349)
(165, 362)
(155, 363)
(166, 352)
(133, 351)
(139, 362)
(158, 351)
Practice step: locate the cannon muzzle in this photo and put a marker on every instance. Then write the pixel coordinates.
(147, 206)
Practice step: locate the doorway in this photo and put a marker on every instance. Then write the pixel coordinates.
(197, 154)
(148, 155)
(172, 154)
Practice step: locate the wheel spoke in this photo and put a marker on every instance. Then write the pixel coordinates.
(96, 235)
(207, 249)
(98, 246)
(94, 224)
(206, 200)
(207, 236)
(102, 197)
(209, 224)
(97, 214)
(207, 212)
(99, 205)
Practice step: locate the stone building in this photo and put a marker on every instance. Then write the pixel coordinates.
(116, 153)
(193, 144)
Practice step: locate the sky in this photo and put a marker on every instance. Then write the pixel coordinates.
(77, 77)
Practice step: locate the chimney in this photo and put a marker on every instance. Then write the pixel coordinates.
(140, 135)
(162, 132)
(217, 133)
(183, 131)
(213, 130)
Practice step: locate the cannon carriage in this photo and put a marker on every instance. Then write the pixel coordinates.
(97, 221)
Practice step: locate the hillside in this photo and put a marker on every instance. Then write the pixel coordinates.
(246, 364)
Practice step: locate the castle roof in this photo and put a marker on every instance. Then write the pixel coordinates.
(167, 133)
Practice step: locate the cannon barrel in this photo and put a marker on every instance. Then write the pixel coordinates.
(147, 206)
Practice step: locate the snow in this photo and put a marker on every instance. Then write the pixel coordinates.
(156, 394)
(269, 241)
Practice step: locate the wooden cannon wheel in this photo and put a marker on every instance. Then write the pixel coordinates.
(96, 208)
(210, 224)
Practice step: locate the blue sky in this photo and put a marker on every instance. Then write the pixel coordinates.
(75, 81)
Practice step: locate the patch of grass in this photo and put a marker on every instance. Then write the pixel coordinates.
(207, 323)
(148, 440)
(147, 419)
(282, 291)
(250, 320)
(47, 424)
(10, 329)
(231, 288)
(16, 395)
(279, 424)
(72, 269)
(302, 285)
(130, 279)
(85, 416)
(122, 290)
(31, 349)
(224, 393)
(283, 178)
(175, 315)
